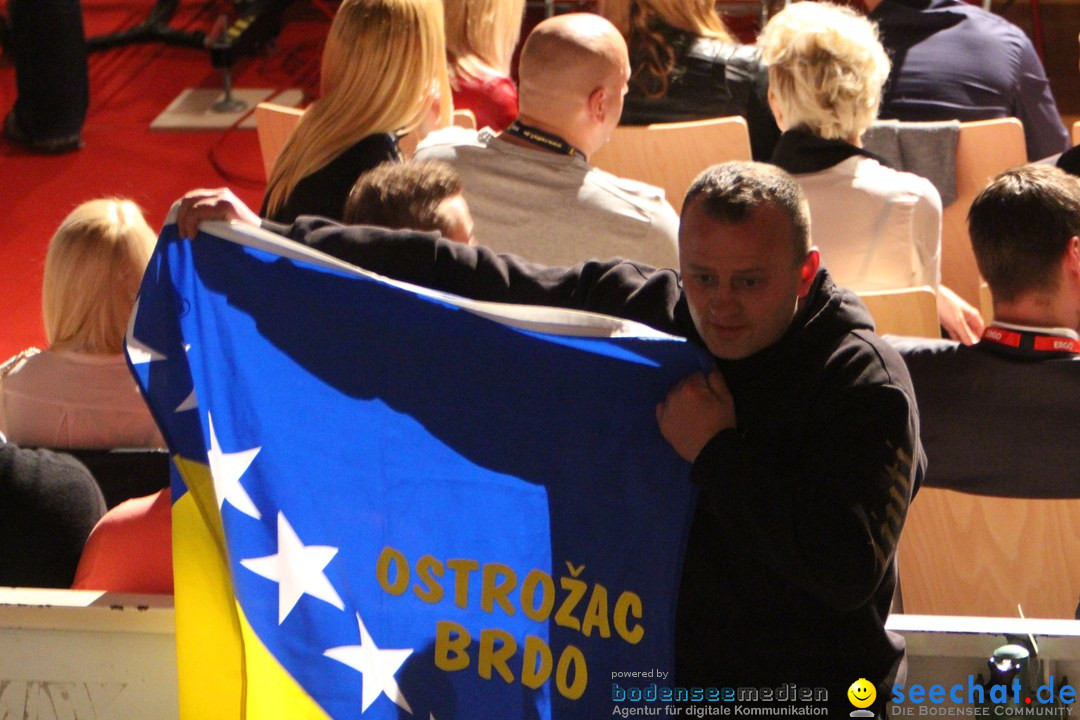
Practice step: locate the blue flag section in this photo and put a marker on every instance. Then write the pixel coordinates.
(426, 512)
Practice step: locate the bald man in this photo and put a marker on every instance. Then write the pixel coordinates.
(531, 189)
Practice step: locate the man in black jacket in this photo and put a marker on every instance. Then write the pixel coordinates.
(803, 439)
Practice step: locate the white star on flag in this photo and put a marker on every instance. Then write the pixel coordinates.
(297, 568)
(139, 352)
(227, 469)
(377, 667)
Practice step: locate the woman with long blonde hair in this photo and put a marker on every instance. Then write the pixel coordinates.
(685, 65)
(79, 393)
(383, 76)
(480, 39)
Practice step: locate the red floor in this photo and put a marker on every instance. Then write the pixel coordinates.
(129, 87)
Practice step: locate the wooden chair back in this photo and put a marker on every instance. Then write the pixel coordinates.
(963, 554)
(1076, 133)
(984, 149)
(274, 123)
(670, 155)
(907, 311)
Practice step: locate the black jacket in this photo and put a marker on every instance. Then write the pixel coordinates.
(997, 420)
(49, 503)
(789, 573)
(711, 78)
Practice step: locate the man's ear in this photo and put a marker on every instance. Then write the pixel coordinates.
(1070, 262)
(808, 271)
(598, 104)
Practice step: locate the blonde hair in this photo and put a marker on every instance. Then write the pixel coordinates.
(652, 55)
(93, 270)
(383, 62)
(826, 68)
(482, 34)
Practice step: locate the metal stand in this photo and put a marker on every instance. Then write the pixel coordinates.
(154, 29)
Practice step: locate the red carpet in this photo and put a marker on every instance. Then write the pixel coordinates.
(129, 87)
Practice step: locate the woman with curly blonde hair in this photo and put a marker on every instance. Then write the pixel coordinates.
(79, 393)
(877, 228)
(687, 66)
(480, 39)
(383, 76)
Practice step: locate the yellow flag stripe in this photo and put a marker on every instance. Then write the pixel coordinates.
(225, 670)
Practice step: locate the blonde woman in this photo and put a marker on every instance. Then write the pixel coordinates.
(877, 228)
(687, 66)
(383, 76)
(79, 393)
(480, 39)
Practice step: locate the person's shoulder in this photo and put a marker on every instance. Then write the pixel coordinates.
(43, 472)
(18, 362)
(993, 29)
(855, 355)
(891, 181)
(726, 54)
(634, 191)
(442, 143)
(922, 346)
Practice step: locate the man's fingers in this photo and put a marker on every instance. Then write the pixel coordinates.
(717, 385)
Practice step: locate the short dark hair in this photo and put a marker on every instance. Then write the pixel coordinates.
(403, 195)
(731, 190)
(1020, 226)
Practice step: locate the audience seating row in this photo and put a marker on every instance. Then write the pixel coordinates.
(966, 554)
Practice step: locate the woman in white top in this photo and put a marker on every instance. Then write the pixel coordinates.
(79, 393)
(877, 228)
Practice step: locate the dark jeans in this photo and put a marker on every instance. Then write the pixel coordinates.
(49, 49)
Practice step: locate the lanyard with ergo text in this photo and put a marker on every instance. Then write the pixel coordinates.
(1031, 341)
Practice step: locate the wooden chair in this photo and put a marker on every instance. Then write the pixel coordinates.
(670, 155)
(274, 123)
(984, 149)
(908, 311)
(963, 554)
(1076, 133)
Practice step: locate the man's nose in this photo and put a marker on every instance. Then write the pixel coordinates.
(722, 300)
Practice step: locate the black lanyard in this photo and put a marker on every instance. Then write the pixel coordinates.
(543, 139)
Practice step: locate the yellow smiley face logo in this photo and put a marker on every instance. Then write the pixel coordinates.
(862, 693)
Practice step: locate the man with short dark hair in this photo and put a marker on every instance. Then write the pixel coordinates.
(803, 436)
(1000, 417)
(417, 195)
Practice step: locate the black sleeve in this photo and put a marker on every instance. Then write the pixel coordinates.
(826, 510)
(615, 287)
(49, 505)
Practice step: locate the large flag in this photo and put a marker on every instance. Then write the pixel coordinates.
(393, 503)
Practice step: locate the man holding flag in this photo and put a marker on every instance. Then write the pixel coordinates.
(803, 436)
